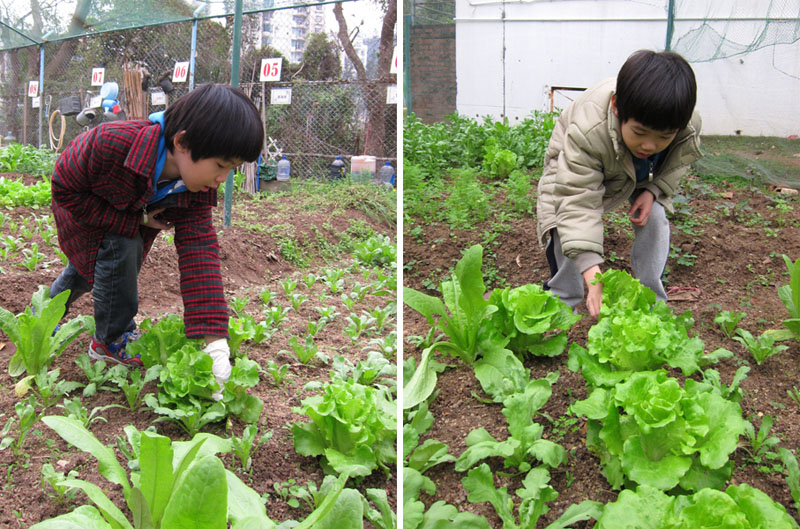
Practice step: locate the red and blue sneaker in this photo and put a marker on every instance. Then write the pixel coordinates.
(116, 351)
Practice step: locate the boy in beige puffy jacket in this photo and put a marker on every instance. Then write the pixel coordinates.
(630, 138)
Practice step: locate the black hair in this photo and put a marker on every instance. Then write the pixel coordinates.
(220, 122)
(657, 89)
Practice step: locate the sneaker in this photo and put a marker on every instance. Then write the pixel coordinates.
(116, 350)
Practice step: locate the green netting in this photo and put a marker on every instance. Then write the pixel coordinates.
(425, 12)
(53, 20)
(759, 160)
(731, 28)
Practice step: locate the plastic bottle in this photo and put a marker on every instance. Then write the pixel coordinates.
(284, 169)
(337, 168)
(386, 173)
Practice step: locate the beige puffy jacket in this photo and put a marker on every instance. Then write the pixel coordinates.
(588, 170)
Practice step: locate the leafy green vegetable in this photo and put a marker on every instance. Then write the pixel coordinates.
(634, 333)
(739, 507)
(790, 296)
(526, 313)
(651, 431)
(535, 494)
(728, 320)
(525, 440)
(352, 426)
(173, 487)
(463, 316)
(760, 348)
(439, 514)
(34, 332)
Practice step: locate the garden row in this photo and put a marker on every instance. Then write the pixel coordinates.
(652, 434)
(306, 426)
(623, 410)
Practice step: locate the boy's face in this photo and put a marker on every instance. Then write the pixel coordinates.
(642, 141)
(203, 174)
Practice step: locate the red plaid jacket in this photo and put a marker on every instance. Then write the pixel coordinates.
(101, 184)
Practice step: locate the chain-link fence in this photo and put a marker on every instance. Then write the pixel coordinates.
(311, 114)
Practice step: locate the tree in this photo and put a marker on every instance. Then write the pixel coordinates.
(374, 91)
(320, 59)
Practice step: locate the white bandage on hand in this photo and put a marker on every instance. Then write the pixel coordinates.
(220, 353)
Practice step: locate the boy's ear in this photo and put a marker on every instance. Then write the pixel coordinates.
(614, 105)
(177, 141)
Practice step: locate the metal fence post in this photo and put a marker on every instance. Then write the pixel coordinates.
(670, 23)
(407, 63)
(237, 46)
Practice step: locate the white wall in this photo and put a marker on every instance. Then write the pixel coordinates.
(577, 43)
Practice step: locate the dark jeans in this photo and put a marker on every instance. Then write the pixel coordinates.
(115, 293)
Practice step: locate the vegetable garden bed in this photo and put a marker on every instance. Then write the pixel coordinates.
(310, 280)
(728, 239)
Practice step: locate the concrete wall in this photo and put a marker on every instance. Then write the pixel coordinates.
(432, 71)
(510, 54)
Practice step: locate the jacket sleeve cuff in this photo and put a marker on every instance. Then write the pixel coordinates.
(655, 190)
(586, 260)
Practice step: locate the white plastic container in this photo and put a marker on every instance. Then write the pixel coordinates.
(284, 170)
(363, 165)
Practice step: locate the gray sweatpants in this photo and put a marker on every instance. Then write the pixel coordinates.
(648, 260)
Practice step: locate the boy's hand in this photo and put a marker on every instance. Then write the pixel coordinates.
(644, 204)
(217, 348)
(594, 298)
(149, 219)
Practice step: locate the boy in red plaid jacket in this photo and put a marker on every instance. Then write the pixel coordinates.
(117, 185)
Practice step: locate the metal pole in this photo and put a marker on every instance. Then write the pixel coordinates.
(407, 63)
(194, 45)
(41, 91)
(670, 23)
(236, 52)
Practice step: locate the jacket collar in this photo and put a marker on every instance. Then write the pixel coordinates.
(143, 153)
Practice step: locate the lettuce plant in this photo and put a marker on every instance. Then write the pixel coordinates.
(651, 431)
(636, 333)
(738, 507)
(352, 426)
(171, 488)
(524, 314)
(790, 296)
(37, 335)
(525, 442)
(463, 313)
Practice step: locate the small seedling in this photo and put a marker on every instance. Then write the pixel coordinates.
(238, 304)
(60, 493)
(288, 286)
(278, 372)
(762, 348)
(727, 321)
(245, 447)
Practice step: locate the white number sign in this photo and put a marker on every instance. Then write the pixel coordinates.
(393, 67)
(33, 88)
(180, 72)
(280, 96)
(271, 69)
(98, 76)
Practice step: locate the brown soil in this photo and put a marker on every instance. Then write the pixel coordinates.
(738, 268)
(251, 260)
